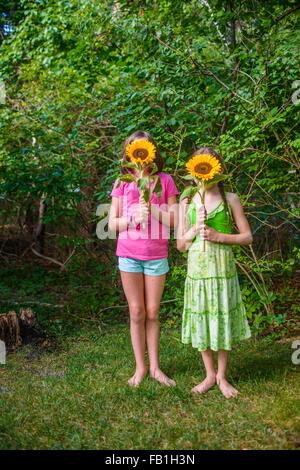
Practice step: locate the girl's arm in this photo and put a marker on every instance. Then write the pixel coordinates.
(244, 237)
(186, 235)
(168, 218)
(115, 222)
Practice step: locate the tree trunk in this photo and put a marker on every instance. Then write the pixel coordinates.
(235, 66)
(39, 234)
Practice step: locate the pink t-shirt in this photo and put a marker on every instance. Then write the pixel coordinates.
(151, 241)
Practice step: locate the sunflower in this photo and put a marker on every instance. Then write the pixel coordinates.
(204, 166)
(141, 151)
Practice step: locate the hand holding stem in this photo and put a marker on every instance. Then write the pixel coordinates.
(142, 212)
(200, 221)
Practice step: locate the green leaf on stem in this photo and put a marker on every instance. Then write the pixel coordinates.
(127, 178)
(126, 164)
(142, 183)
(146, 194)
(157, 188)
(188, 192)
(153, 168)
(216, 180)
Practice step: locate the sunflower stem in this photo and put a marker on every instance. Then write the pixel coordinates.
(202, 196)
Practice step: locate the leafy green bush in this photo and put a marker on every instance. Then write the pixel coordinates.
(80, 76)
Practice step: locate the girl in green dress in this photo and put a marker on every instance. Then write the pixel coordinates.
(214, 316)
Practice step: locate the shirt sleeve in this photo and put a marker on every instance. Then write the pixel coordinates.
(171, 189)
(118, 191)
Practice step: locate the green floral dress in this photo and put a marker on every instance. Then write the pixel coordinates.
(214, 315)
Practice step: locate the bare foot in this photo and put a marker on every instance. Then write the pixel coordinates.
(228, 390)
(204, 386)
(162, 378)
(137, 378)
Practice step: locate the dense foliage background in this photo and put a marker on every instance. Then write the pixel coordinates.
(78, 76)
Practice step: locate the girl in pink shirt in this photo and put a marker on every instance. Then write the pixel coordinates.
(142, 250)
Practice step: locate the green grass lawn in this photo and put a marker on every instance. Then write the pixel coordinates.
(77, 398)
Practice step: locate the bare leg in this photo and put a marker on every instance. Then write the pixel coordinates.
(154, 286)
(228, 390)
(210, 380)
(133, 285)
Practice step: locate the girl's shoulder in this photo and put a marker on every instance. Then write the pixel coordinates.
(168, 184)
(233, 198)
(233, 201)
(165, 176)
(118, 188)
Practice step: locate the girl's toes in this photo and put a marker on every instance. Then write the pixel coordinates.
(132, 382)
(162, 378)
(172, 382)
(136, 379)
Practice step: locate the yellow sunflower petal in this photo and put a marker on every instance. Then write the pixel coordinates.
(141, 151)
(204, 166)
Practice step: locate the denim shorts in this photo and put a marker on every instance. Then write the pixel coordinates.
(150, 267)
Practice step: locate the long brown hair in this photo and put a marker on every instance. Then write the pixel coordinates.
(220, 184)
(141, 135)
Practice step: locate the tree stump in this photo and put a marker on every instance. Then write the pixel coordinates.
(16, 330)
(10, 330)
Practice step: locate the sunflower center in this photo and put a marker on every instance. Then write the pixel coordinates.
(203, 168)
(142, 154)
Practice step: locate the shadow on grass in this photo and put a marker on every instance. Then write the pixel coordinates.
(262, 361)
(251, 360)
